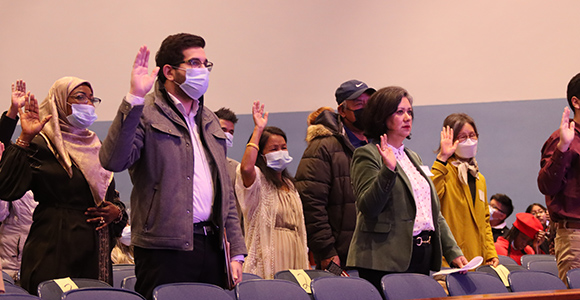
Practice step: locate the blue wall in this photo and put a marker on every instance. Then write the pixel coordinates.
(511, 136)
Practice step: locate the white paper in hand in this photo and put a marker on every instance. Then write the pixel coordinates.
(472, 264)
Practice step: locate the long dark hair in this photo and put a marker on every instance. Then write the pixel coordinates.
(261, 163)
(510, 237)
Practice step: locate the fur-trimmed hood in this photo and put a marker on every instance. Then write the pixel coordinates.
(326, 124)
(315, 131)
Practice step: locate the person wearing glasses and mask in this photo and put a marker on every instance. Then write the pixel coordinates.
(500, 208)
(79, 213)
(182, 203)
(462, 189)
(273, 217)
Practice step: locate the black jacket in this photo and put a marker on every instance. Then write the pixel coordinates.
(323, 181)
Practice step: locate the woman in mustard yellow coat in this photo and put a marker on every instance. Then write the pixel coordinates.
(462, 189)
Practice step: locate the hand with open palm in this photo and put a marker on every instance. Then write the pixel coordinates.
(260, 117)
(448, 147)
(141, 80)
(387, 153)
(30, 119)
(18, 98)
(566, 131)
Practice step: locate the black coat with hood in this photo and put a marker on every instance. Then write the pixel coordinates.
(323, 181)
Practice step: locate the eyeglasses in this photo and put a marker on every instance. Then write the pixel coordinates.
(496, 208)
(472, 136)
(82, 98)
(538, 212)
(196, 63)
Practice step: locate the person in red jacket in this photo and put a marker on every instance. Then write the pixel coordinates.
(520, 237)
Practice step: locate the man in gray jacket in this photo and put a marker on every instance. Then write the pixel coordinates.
(182, 203)
(323, 175)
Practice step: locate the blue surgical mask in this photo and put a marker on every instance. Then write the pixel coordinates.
(82, 116)
(229, 139)
(196, 82)
(278, 160)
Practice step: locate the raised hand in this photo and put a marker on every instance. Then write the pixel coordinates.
(387, 153)
(448, 147)
(18, 98)
(566, 131)
(260, 118)
(30, 119)
(141, 80)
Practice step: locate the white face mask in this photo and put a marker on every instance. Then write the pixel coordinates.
(278, 160)
(82, 116)
(125, 238)
(491, 212)
(196, 82)
(229, 139)
(467, 149)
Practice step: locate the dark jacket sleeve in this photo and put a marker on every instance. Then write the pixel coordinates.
(114, 197)
(122, 146)
(7, 127)
(372, 181)
(313, 182)
(15, 172)
(554, 164)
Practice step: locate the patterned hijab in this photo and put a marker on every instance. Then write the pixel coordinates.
(70, 144)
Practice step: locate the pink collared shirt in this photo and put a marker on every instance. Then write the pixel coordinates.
(421, 191)
(202, 179)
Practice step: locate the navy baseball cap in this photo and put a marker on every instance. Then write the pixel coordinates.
(351, 89)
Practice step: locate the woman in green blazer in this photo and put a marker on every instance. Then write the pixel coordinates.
(399, 226)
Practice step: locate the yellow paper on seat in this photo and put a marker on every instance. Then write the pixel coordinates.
(303, 279)
(503, 273)
(66, 284)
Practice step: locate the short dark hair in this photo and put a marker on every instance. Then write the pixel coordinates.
(261, 163)
(456, 121)
(171, 50)
(506, 202)
(381, 105)
(531, 206)
(226, 114)
(573, 89)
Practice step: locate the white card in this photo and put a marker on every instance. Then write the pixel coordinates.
(427, 170)
(481, 195)
(474, 263)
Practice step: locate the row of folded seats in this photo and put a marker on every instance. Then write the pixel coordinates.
(321, 285)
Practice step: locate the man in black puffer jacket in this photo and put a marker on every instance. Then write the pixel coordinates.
(323, 176)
